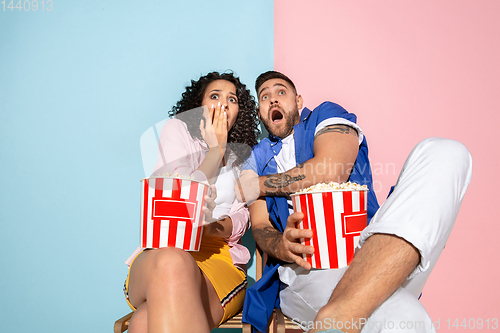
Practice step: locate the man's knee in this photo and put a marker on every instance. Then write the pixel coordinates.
(446, 148)
(449, 156)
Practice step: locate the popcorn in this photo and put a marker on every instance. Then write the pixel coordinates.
(333, 186)
(176, 175)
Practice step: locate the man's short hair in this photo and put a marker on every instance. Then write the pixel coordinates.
(269, 75)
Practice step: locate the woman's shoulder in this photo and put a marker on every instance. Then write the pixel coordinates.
(175, 123)
(174, 128)
(177, 130)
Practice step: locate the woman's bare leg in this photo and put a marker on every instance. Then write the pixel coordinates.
(171, 294)
(139, 321)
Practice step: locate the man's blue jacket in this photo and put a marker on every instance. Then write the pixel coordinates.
(262, 297)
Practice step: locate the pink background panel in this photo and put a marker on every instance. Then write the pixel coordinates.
(411, 70)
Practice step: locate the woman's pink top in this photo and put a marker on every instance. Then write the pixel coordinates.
(181, 153)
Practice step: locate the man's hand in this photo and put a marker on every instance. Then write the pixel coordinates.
(291, 250)
(247, 187)
(283, 246)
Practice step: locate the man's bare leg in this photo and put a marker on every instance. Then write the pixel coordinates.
(378, 269)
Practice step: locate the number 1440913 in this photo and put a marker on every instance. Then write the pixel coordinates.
(27, 5)
(473, 323)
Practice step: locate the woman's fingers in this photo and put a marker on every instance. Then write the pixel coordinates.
(213, 192)
(214, 126)
(210, 204)
(202, 127)
(210, 200)
(216, 113)
(220, 123)
(207, 129)
(223, 117)
(220, 116)
(212, 113)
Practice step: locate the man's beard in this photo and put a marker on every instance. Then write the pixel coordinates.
(284, 130)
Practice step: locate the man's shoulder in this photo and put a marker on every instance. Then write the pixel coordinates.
(328, 106)
(330, 110)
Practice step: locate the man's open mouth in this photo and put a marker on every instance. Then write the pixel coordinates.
(276, 116)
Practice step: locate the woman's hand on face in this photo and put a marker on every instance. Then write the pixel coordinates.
(207, 129)
(220, 123)
(214, 126)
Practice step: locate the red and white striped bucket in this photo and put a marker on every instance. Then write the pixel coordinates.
(171, 212)
(336, 219)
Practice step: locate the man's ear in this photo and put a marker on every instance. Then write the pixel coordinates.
(258, 113)
(299, 101)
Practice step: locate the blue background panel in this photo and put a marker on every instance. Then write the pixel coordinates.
(78, 86)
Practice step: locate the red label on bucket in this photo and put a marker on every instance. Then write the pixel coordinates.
(173, 209)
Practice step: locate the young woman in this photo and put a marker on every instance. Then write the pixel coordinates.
(172, 290)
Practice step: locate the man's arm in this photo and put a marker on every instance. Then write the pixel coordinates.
(283, 246)
(335, 151)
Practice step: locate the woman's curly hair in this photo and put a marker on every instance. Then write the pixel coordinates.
(243, 135)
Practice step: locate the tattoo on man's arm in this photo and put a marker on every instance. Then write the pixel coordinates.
(269, 237)
(281, 180)
(343, 129)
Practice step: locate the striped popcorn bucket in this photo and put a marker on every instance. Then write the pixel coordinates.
(171, 212)
(336, 219)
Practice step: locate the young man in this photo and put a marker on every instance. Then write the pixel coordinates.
(379, 291)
